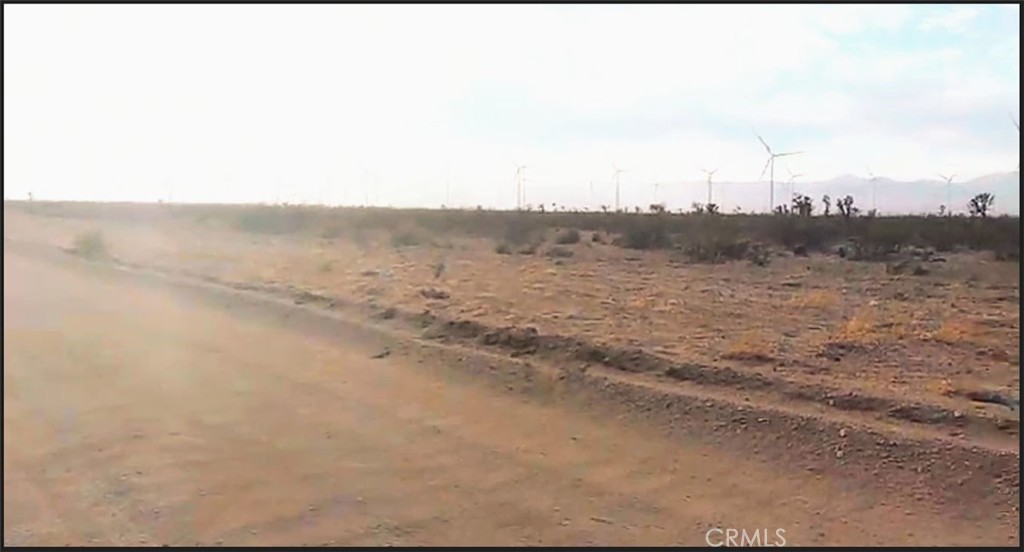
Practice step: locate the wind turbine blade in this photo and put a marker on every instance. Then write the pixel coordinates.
(787, 153)
(765, 169)
(763, 143)
(1015, 123)
(714, 171)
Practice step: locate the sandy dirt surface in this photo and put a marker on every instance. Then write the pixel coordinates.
(818, 319)
(138, 415)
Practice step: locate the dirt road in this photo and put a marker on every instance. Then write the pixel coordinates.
(134, 415)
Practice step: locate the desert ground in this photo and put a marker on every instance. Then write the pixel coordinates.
(196, 380)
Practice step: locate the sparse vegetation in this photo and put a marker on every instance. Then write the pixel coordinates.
(407, 237)
(91, 245)
(567, 237)
(650, 232)
(559, 253)
(878, 237)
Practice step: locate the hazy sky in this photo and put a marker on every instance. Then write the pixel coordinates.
(322, 102)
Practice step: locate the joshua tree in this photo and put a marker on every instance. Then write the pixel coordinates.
(711, 208)
(846, 207)
(827, 202)
(698, 207)
(658, 208)
(604, 208)
(802, 205)
(980, 204)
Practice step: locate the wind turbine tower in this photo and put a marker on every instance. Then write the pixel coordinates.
(770, 166)
(949, 189)
(710, 174)
(615, 176)
(873, 179)
(520, 188)
(792, 177)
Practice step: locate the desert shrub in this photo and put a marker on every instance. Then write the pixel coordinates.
(406, 238)
(714, 249)
(331, 231)
(1008, 253)
(566, 237)
(522, 230)
(807, 233)
(91, 245)
(646, 232)
(559, 252)
(879, 239)
(503, 249)
(528, 249)
(596, 238)
(759, 255)
(272, 220)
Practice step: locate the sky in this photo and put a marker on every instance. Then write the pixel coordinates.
(409, 105)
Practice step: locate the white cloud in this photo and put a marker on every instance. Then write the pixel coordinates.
(224, 102)
(953, 19)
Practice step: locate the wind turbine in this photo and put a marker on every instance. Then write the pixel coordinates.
(770, 164)
(949, 187)
(520, 190)
(792, 177)
(710, 174)
(615, 176)
(873, 179)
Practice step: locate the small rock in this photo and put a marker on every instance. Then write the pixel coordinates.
(434, 293)
(842, 432)
(839, 454)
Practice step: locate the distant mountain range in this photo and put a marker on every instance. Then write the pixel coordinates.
(892, 196)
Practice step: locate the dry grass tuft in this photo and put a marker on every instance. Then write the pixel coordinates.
(754, 346)
(815, 299)
(872, 325)
(957, 331)
(942, 387)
